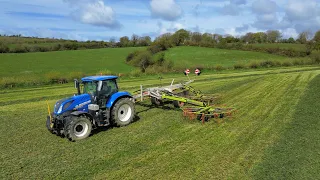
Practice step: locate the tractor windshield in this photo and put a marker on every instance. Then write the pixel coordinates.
(108, 88)
(89, 88)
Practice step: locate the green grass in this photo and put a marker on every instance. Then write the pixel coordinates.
(164, 145)
(64, 62)
(301, 47)
(192, 56)
(296, 155)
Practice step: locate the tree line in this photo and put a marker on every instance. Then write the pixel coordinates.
(20, 44)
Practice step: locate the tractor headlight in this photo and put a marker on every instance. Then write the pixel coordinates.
(60, 109)
(64, 107)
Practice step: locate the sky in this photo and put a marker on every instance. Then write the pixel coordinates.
(111, 19)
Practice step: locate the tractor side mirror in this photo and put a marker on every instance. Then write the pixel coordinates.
(77, 85)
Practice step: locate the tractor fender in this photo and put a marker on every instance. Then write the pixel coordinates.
(114, 97)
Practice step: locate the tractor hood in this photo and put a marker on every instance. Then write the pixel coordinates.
(79, 103)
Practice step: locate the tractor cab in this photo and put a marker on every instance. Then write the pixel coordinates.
(100, 88)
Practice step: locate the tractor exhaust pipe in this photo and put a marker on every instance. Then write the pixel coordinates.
(77, 86)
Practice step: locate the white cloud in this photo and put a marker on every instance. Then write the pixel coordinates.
(302, 10)
(234, 7)
(290, 32)
(238, 2)
(95, 13)
(231, 9)
(267, 18)
(242, 28)
(165, 9)
(178, 26)
(264, 6)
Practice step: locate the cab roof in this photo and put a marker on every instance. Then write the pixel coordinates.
(98, 78)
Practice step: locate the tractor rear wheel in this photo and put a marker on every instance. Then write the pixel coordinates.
(123, 112)
(77, 128)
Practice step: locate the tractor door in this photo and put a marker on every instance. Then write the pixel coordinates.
(108, 88)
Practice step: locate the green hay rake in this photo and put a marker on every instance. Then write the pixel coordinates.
(193, 103)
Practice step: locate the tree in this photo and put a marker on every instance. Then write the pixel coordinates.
(303, 37)
(248, 38)
(229, 38)
(316, 40)
(180, 36)
(196, 37)
(145, 41)
(316, 37)
(259, 37)
(217, 38)
(124, 41)
(134, 39)
(163, 42)
(112, 40)
(291, 40)
(207, 38)
(273, 36)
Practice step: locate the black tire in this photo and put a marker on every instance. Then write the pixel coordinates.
(156, 101)
(178, 104)
(77, 128)
(123, 112)
(48, 126)
(183, 93)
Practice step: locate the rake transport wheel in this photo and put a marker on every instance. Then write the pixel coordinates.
(178, 104)
(77, 128)
(123, 112)
(156, 101)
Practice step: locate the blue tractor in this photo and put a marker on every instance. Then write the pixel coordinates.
(98, 103)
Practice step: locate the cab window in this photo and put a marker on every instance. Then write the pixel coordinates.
(109, 87)
(89, 88)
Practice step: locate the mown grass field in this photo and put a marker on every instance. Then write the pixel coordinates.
(274, 135)
(301, 47)
(64, 62)
(193, 56)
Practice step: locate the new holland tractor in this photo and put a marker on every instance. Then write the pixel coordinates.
(97, 104)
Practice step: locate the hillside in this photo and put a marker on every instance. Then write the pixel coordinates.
(198, 56)
(298, 47)
(65, 62)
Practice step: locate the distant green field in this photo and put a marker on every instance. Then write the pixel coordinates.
(190, 56)
(282, 45)
(87, 61)
(274, 135)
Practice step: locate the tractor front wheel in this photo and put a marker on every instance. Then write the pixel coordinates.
(123, 112)
(77, 128)
(48, 126)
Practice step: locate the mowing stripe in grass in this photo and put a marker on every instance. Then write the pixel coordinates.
(5, 103)
(296, 155)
